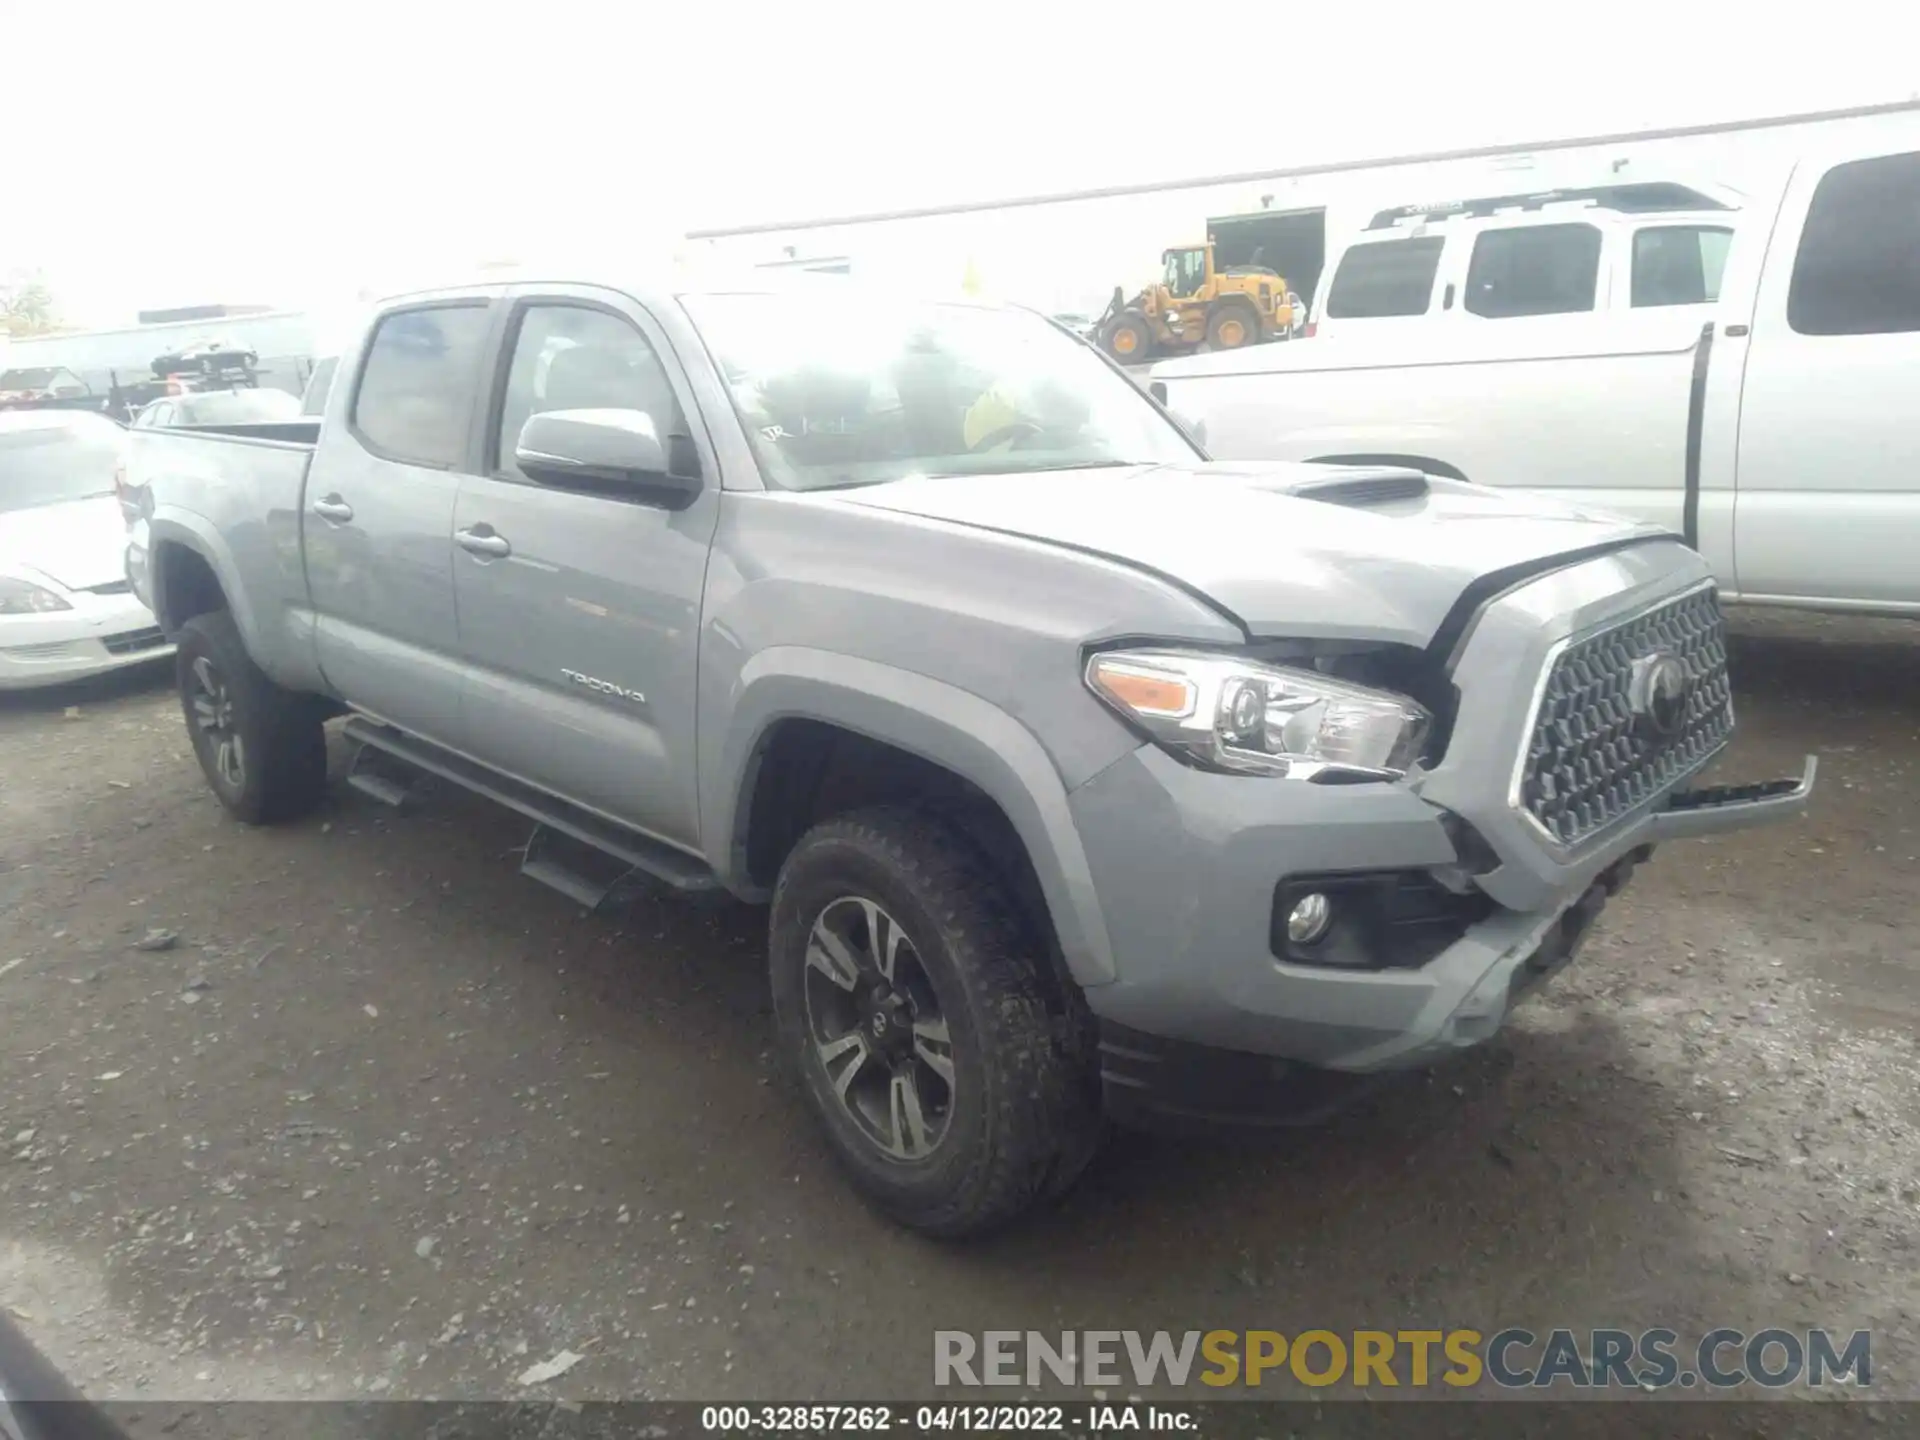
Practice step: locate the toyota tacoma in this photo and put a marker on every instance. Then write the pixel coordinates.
(1081, 776)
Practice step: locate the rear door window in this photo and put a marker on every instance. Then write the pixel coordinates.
(1533, 270)
(1679, 264)
(417, 385)
(1382, 278)
(1858, 268)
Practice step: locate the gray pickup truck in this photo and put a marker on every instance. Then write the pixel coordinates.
(1084, 777)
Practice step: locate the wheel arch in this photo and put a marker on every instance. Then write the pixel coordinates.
(794, 705)
(193, 573)
(192, 569)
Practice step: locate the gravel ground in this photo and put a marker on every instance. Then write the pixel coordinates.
(386, 1120)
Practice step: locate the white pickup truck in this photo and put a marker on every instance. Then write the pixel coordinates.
(1773, 435)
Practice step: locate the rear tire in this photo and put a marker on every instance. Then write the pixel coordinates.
(1128, 338)
(261, 746)
(1003, 1112)
(1232, 327)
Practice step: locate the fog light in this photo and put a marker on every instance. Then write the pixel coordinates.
(1309, 918)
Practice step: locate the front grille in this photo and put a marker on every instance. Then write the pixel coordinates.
(112, 587)
(131, 642)
(45, 650)
(1589, 759)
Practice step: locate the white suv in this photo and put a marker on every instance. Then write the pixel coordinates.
(1562, 252)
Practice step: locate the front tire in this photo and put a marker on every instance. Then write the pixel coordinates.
(909, 1008)
(1128, 338)
(261, 747)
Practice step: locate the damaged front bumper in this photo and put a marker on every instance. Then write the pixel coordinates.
(1214, 1015)
(1233, 1040)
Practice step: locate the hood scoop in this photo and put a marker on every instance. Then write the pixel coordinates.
(1365, 488)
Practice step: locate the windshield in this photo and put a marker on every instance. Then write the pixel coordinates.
(43, 463)
(847, 390)
(235, 407)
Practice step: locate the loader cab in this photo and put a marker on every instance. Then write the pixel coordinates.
(1187, 270)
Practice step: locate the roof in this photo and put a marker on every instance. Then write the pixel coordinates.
(1624, 201)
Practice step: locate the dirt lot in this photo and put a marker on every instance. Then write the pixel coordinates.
(389, 1120)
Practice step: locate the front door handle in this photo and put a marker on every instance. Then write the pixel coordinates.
(482, 541)
(333, 508)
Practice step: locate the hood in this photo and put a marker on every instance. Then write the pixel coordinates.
(78, 543)
(1310, 551)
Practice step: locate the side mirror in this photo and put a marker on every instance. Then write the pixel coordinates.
(599, 450)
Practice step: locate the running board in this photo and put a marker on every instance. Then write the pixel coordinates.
(364, 776)
(585, 875)
(672, 868)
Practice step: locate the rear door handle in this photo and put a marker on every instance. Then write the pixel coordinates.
(333, 508)
(482, 541)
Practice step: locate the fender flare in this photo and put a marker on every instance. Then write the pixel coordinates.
(191, 532)
(941, 724)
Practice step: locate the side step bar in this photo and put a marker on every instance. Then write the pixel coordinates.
(560, 828)
(368, 775)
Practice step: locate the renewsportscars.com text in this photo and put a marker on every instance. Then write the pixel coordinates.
(1598, 1359)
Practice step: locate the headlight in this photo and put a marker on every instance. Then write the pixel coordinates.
(1239, 715)
(23, 597)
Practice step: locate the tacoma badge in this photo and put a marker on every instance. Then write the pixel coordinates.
(605, 687)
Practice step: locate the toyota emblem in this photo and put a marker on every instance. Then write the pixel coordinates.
(1657, 695)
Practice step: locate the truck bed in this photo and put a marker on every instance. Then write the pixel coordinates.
(238, 489)
(1600, 415)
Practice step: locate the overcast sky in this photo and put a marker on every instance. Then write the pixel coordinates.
(283, 153)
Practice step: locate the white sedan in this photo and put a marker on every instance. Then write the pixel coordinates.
(66, 610)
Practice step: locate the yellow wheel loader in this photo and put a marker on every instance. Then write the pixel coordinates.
(1195, 304)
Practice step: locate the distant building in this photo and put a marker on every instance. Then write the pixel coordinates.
(199, 312)
(1065, 252)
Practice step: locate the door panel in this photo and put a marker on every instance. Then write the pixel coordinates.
(382, 587)
(1828, 507)
(581, 641)
(377, 530)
